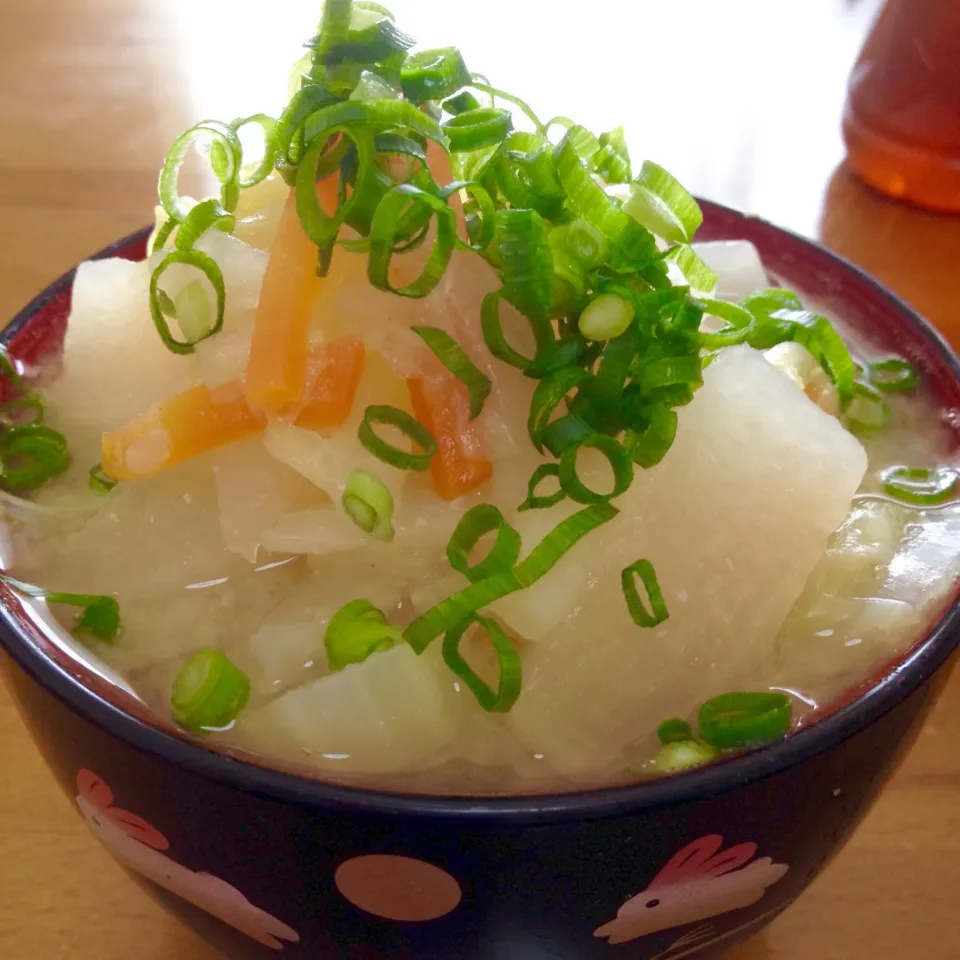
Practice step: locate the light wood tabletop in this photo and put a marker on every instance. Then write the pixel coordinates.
(741, 99)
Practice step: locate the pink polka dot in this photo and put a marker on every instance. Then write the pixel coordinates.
(398, 888)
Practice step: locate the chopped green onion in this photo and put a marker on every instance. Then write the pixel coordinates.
(511, 673)
(478, 128)
(455, 359)
(660, 203)
(367, 501)
(735, 720)
(677, 756)
(492, 329)
(547, 397)
(206, 215)
(510, 98)
(536, 501)
(694, 270)
(100, 482)
(265, 167)
(209, 692)
(455, 609)
(475, 524)
(674, 730)
(566, 432)
(383, 232)
(612, 161)
(919, 486)
(434, 75)
(638, 611)
(737, 329)
(606, 317)
(208, 267)
(227, 170)
(99, 616)
(868, 411)
(649, 445)
(394, 417)
(357, 631)
(192, 312)
(894, 375)
(462, 103)
(12, 411)
(768, 331)
(373, 87)
(653, 375)
(617, 457)
(30, 455)
(526, 261)
(818, 336)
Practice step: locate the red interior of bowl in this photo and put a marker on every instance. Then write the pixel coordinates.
(863, 304)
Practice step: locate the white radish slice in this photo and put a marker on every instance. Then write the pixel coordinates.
(737, 265)
(393, 712)
(733, 519)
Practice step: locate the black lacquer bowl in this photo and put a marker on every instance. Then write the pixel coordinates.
(261, 862)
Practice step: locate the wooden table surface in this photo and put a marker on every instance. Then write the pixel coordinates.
(93, 91)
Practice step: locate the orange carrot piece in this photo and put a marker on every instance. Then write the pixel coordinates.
(338, 369)
(277, 369)
(443, 407)
(177, 429)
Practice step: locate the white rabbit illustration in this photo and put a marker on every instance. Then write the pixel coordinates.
(699, 882)
(139, 847)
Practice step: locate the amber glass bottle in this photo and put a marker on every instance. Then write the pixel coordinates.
(902, 121)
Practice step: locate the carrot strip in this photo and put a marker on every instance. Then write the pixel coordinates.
(337, 369)
(277, 369)
(197, 420)
(443, 407)
(177, 429)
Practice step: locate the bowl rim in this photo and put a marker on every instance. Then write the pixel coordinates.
(911, 672)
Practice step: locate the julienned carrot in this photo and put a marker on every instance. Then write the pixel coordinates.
(177, 429)
(336, 370)
(199, 419)
(443, 407)
(277, 369)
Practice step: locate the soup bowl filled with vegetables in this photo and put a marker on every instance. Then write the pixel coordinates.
(428, 548)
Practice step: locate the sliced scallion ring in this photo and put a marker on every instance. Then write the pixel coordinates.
(537, 501)
(674, 730)
(737, 327)
(868, 411)
(416, 431)
(209, 692)
(433, 75)
(735, 720)
(455, 359)
(493, 335)
(920, 486)
(367, 501)
(511, 671)
(357, 631)
(617, 457)
(478, 128)
(475, 524)
(606, 317)
(208, 267)
(455, 609)
(30, 455)
(642, 617)
(548, 396)
(660, 203)
(894, 375)
(100, 482)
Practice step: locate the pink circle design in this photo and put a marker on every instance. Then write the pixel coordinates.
(398, 888)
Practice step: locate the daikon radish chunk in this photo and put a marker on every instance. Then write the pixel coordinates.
(327, 462)
(926, 565)
(737, 265)
(733, 519)
(253, 491)
(288, 647)
(223, 358)
(259, 210)
(392, 712)
(115, 365)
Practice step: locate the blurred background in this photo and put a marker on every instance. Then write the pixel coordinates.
(743, 100)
